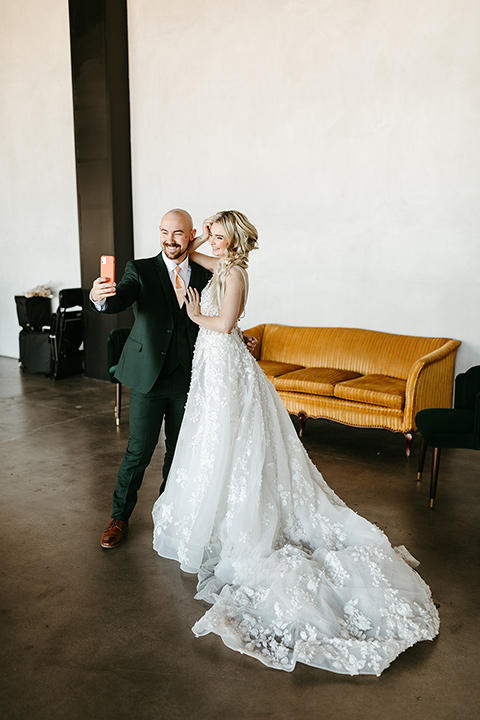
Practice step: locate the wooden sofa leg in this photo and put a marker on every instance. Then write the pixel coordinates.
(409, 438)
(421, 459)
(118, 403)
(435, 468)
(302, 418)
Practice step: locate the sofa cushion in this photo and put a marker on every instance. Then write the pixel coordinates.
(318, 381)
(272, 368)
(374, 390)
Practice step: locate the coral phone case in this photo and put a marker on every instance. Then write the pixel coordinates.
(107, 267)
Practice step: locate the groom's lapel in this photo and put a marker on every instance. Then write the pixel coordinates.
(165, 281)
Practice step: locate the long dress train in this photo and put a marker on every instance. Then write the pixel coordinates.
(291, 572)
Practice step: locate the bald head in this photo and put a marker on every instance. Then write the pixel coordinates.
(176, 232)
(180, 215)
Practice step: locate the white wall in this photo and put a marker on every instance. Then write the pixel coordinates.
(346, 130)
(38, 205)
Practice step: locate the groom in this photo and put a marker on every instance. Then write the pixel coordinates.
(156, 361)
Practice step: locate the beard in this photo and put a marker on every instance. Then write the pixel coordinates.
(173, 252)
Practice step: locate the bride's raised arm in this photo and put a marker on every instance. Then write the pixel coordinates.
(206, 261)
(232, 305)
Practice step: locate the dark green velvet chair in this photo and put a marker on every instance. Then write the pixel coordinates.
(115, 342)
(458, 427)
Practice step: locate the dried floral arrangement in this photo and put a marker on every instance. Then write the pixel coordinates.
(39, 291)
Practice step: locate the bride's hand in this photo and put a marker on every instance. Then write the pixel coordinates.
(207, 224)
(192, 299)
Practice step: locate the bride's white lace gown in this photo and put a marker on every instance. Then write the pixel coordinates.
(292, 573)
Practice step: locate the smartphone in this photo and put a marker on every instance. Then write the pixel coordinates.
(107, 267)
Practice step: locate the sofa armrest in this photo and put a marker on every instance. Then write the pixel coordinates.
(430, 382)
(256, 332)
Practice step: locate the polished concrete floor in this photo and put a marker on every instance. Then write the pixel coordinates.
(92, 633)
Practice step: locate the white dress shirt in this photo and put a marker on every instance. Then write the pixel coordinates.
(185, 270)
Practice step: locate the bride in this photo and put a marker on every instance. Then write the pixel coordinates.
(291, 572)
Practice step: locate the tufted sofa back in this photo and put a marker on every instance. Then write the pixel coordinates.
(361, 351)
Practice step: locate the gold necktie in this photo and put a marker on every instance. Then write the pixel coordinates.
(179, 286)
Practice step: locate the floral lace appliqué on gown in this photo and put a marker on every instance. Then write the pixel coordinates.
(291, 572)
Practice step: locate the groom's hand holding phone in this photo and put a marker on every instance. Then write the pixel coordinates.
(104, 286)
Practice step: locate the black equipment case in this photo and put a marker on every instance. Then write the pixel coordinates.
(35, 352)
(34, 314)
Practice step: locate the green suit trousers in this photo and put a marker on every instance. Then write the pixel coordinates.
(166, 401)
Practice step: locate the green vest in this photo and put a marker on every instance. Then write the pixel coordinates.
(180, 350)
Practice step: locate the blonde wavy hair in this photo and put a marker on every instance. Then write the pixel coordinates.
(242, 238)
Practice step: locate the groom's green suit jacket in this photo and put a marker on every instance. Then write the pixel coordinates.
(147, 286)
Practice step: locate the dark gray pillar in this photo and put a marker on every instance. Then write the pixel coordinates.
(99, 52)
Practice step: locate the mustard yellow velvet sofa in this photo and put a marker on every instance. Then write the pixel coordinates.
(357, 377)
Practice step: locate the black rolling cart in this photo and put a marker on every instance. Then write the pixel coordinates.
(66, 334)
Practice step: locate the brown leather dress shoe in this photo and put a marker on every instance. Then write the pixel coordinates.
(114, 533)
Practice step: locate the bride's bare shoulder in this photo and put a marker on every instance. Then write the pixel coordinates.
(238, 274)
